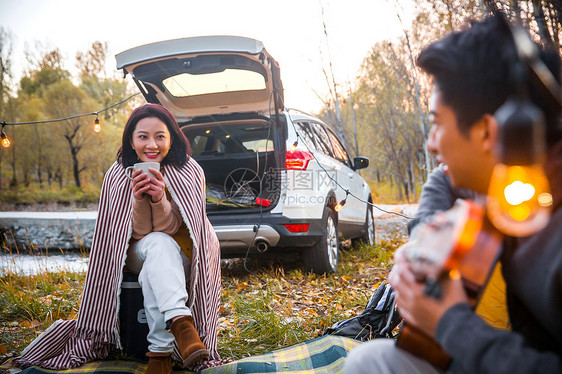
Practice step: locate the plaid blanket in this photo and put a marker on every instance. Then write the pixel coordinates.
(322, 355)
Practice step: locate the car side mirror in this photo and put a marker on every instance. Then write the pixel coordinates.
(360, 163)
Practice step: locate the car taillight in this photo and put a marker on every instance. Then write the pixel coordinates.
(301, 227)
(298, 160)
(263, 202)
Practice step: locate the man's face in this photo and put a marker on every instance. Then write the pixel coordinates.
(467, 157)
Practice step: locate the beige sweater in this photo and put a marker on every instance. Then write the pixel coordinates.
(163, 216)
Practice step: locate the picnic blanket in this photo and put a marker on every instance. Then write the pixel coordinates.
(322, 355)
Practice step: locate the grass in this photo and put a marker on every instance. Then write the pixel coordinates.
(293, 306)
(29, 304)
(285, 306)
(387, 193)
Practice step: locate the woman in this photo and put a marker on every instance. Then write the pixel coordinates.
(156, 226)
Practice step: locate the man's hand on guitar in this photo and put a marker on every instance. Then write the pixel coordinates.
(417, 308)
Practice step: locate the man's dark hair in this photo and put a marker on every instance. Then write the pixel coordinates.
(180, 149)
(473, 71)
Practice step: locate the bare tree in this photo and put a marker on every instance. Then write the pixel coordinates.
(40, 56)
(331, 81)
(91, 63)
(421, 114)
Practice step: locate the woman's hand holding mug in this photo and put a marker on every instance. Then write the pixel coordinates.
(147, 179)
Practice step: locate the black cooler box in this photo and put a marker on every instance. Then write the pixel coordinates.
(134, 328)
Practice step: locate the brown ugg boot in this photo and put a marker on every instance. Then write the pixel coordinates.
(190, 345)
(159, 363)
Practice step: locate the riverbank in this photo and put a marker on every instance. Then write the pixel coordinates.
(48, 207)
(27, 231)
(14, 258)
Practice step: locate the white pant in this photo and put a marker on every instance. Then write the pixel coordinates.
(162, 269)
(381, 356)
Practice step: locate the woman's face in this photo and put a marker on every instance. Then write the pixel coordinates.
(151, 139)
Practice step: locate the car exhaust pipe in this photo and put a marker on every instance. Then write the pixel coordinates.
(262, 246)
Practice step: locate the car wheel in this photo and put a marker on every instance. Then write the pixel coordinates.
(368, 236)
(323, 257)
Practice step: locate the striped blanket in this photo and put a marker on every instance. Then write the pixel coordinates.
(323, 355)
(71, 343)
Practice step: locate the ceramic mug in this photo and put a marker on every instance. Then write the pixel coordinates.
(144, 166)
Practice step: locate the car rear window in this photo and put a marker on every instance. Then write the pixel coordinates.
(228, 80)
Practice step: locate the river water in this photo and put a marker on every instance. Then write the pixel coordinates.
(78, 262)
(36, 264)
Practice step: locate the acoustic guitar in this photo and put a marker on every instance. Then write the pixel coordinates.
(460, 242)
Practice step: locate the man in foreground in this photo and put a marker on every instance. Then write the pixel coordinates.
(472, 76)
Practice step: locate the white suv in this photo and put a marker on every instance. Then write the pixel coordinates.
(274, 176)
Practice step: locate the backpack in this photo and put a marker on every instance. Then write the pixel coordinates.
(378, 320)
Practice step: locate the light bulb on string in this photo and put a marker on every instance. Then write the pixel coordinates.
(340, 205)
(294, 146)
(97, 126)
(5, 140)
(519, 199)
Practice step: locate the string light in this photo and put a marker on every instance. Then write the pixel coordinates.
(5, 140)
(97, 126)
(295, 144)
(340, 205)
(519, 198)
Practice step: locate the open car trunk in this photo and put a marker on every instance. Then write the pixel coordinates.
(227, 95)
(238, 157)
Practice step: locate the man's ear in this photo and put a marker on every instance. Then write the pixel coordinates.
(486, 132)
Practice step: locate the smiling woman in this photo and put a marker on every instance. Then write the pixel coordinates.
(151, 140)
(155, 227)
(152, 134)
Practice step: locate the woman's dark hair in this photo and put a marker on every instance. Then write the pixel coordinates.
(180, 150)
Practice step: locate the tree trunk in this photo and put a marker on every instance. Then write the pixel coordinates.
(74, 149)
(26, 178)
(49, 176)
(412, 180)
(418, 99)
(14, 182)
(406, 190)
(58, 175)
(354, 123)
(39, 158)
(39, 172)
(75, 167)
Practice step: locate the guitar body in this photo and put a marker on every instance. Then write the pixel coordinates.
(458, 242)
(421, 345)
